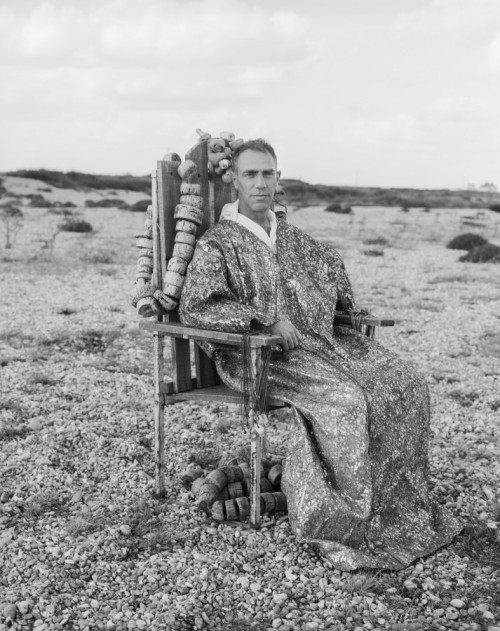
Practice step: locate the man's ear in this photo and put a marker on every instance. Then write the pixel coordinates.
(235, 181)
(278, 176)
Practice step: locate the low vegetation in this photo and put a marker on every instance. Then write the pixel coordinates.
(467, 241)
(340, 209)
(72, 224)
(107, 203)
(11, 218)
(488, 253)
(140, 206)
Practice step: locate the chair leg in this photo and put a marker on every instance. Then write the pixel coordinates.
(159, 416)
(370, 331)
(255, 464)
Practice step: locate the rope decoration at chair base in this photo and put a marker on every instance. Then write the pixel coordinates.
(223, 494)
(146, 298)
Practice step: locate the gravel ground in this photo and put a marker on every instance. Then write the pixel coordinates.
(84, 544)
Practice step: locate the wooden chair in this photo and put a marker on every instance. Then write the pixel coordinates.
(200, 382)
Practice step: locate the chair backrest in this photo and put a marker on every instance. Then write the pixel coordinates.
(166, 184)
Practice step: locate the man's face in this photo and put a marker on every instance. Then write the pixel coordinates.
(255, 181)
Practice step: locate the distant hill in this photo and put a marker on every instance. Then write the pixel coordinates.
(298, 193)
(85, 181)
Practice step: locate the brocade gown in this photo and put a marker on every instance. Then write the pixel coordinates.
(356, 470)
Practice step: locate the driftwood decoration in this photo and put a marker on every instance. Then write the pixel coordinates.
(151, 300)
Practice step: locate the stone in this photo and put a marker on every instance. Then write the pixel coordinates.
(77, 498)
(125, 529)
(458, 603)
(10, 612)
(35, 423)
(23, 607)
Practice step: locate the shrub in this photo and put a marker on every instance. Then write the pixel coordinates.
(140, 206)
(373, 252)
(376, 241)
(104, 258)
(12, 220)
(39, 201)
(495, 208)
(106, 203)
(482, 254)
(75, 225)
(467, 241)
(61, 210)
(340, 209)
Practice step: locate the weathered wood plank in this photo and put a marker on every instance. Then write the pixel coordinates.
(158, 352)
(206, 373)
(220, 394)
(169, 184)
(199, 155)
(343, 319)
(223, 194)
(186, 332)
(159, 415)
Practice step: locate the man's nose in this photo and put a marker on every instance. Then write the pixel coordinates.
(260, 181)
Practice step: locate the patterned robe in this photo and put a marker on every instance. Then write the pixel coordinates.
(356, 468)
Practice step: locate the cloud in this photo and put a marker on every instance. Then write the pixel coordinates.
(163, 33)
(464, 19)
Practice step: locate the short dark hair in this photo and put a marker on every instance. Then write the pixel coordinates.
(258, 144)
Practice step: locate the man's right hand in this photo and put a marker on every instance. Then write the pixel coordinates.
(286, 330)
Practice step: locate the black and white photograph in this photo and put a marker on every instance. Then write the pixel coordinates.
(250, 315)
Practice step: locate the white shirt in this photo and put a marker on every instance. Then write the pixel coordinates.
(230, 212)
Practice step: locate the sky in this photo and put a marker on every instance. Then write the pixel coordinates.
(390, 93)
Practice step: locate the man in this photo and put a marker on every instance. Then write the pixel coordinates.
(356, 467)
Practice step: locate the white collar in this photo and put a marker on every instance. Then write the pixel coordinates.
(230, 213)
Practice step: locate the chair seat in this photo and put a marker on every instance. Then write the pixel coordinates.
(219, 394)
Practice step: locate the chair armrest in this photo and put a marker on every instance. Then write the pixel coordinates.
(344, 318)
(175, 329)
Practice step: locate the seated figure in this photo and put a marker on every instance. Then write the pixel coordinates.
(356, 472)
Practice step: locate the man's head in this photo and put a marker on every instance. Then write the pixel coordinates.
(255, 176)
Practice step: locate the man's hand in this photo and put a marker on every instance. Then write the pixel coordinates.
(291, 336)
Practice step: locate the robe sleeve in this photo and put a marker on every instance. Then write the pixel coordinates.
(207, 301)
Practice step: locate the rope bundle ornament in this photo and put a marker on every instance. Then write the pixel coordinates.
(223, 494)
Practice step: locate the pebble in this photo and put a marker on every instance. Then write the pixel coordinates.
(35, 423)
(457, 603)
(10, 612)
(125, 529)
(23, 606)
(205, 568)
